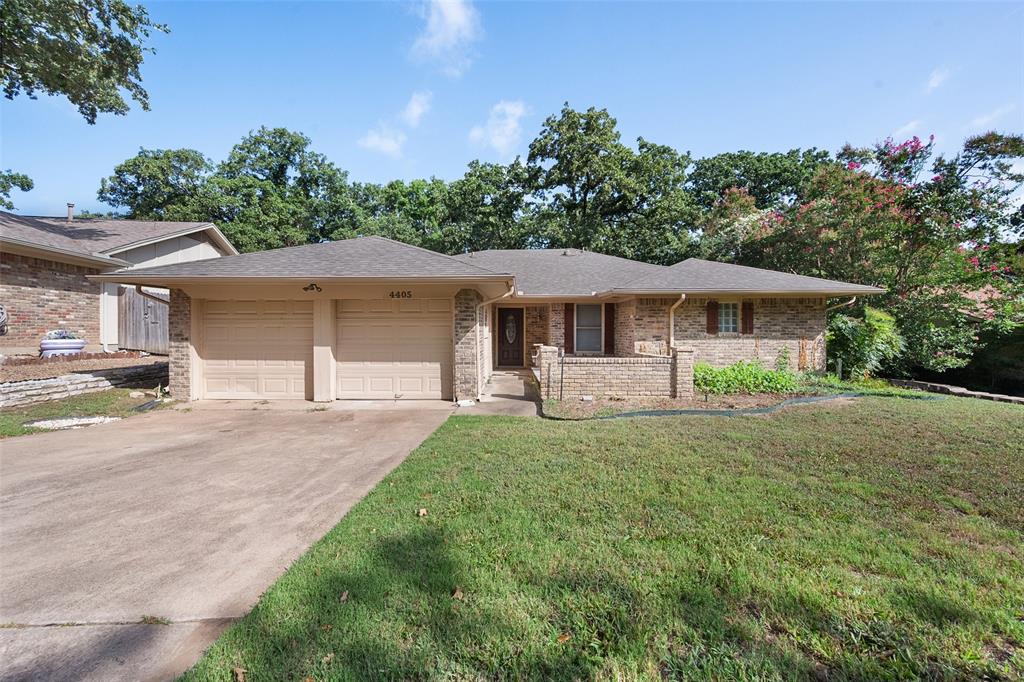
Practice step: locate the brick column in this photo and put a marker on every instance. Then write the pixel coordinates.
(467, 355)
(179, 317)
(547, 365)
(682, 372)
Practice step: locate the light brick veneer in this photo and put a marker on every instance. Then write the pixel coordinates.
(536, 326)
(556, 325)
(41, 295)
(794, 324)
(625, 377)
(467, 354)
(179, 317)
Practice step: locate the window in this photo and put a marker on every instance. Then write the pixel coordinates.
(728, 317)
(588, 328)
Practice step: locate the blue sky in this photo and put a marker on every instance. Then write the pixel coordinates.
(403, 90)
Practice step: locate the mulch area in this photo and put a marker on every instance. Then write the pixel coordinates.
(578, 409)
(20, 372)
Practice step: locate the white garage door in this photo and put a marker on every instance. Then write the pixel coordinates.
(258, 349)
(394, 349)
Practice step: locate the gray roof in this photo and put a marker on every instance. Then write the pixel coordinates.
(561, 272)
(362, 257)
(89, 236)
(694, 275)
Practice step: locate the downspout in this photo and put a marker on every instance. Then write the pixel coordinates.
(479, 373)
(842, 305)
(151, 297)
(672, 323)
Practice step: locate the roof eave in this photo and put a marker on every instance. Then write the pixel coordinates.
(867, 291)
(46, 252)
(215, 233)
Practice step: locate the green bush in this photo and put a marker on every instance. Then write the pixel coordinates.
(743, 377)
(865, 344)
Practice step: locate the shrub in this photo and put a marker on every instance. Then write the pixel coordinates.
(743, 377)
(864, 345)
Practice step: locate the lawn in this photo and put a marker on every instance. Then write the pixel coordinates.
(115, 402)
(882, 539)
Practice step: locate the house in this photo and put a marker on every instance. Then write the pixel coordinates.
(374, 318)
(45, 264)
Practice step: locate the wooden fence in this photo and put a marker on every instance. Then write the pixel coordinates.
(142, 323)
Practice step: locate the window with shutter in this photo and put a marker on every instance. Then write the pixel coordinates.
(712, 312)
(747, 321)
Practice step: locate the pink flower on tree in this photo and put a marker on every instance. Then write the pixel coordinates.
(853, 165)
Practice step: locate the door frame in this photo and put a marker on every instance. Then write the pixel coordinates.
(497, 336)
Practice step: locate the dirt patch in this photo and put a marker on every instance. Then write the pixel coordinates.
(600, 407)
(16, 372)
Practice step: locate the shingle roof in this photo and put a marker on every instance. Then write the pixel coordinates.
(694, 275)
(362, 257)
(561, 272)
(87, 235)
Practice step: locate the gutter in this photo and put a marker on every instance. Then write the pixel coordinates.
(78, 257)
(147, 295)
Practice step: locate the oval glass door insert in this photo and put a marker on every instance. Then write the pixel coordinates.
(510, 329)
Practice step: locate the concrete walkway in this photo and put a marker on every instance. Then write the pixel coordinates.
(185, 517)
(510, 393)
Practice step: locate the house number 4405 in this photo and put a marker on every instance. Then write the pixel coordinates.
(400, 294)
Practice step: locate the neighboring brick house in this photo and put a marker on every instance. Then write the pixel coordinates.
(45, 265)
(374, 318)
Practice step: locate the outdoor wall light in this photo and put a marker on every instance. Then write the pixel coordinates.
(312, 287)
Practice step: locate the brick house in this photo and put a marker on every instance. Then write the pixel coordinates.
(45, 264)
(374, 318)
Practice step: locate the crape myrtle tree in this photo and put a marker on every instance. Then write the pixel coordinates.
(925, 227)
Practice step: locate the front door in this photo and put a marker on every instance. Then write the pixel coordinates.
(510, 337)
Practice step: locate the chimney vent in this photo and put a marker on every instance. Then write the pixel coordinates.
(71, 211)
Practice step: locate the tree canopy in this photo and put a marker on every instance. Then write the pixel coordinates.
(86, 50)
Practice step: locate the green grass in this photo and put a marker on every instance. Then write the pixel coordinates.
(878, 540)
(115, 402)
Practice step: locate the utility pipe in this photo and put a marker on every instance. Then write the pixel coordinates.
(672, 323)
(842, 305)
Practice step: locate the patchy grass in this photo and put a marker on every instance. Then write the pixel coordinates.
(879, 540)
(115, 402)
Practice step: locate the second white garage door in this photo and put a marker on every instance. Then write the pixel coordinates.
(394, 349)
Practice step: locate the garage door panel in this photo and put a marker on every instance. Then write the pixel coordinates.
(394, 349)
(257, 349)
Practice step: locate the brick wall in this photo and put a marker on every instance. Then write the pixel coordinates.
(794, 324)
(625, 377)
(556, 325)
(467, 355)
(179, 315)
(536, 327)
(652, 325)
(625, 328)
(41, 295)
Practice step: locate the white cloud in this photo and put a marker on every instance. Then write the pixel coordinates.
(985, 120)
(502, 130)
(906, 129)
(383, 139)
(937, 78)
(452, 27)
(418, 106)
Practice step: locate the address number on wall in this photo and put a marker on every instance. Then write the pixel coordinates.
(399, 294)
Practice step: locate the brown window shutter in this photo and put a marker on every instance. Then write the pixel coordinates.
(609, 329)
(747, 317)
(712, 317)
(570, 328)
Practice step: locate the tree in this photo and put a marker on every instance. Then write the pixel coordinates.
(155, 180)
(919, 225)
(10, 180)
(487, 209)
(87, 50)
(597, 193)
(771, 179)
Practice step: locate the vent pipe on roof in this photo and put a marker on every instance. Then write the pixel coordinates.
(71, 211)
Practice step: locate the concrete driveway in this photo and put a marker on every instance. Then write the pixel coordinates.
(182, 516)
